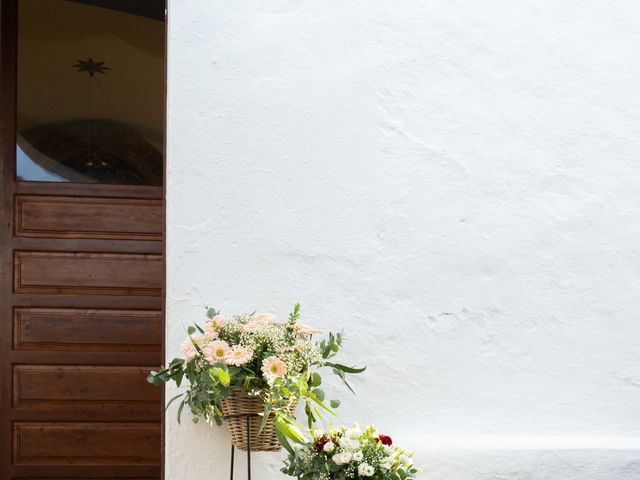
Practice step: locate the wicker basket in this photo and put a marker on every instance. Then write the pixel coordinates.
(235, 409)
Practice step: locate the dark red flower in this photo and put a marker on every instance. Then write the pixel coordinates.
(385, 439)
(321, 442)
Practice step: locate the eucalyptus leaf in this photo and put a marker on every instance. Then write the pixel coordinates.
(316, 379)
(319, 394)
(178, 377)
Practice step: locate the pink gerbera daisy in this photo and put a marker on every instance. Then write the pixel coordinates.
(216, 352)
(218, 322)
(213, 326)
(210, 331)
(188, 348)
(251, 327)
(302, 329)
(238, 355)
(263, 317)
(273, 367)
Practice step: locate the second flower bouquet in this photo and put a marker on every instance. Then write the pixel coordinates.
(252, 364)
(342, 453)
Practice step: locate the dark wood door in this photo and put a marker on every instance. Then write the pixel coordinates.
(81, 317)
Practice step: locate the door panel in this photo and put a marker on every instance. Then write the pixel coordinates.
(75, 217)
(97, 273)
(68, 329)
(67, 386)
(81, 264)
(86, 443)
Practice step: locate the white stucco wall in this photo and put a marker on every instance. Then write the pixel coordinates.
(454, 182)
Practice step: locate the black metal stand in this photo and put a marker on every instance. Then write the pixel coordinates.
(233, 449)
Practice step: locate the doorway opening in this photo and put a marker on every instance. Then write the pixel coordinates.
(82, 90)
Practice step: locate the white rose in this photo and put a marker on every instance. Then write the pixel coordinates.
(357, 456)
(345, 441)
(365, 470)
(329, 447)
(386, 466)
(404, 459)
(317, 433)
(341, 458)
(347, 444)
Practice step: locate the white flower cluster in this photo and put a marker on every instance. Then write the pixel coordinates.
(237, 342)
(366, 470)
(347, 450)
(209, 347)
(301, 355)
(355, 454)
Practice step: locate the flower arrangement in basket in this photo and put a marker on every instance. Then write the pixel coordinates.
(343, 453)
(252, 371)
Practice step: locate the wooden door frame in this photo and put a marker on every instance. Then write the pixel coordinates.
(8, 189)
(8, 52)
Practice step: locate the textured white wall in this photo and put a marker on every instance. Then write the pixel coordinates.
(454, 182)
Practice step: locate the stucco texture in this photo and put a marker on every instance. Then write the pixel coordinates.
(454, 183)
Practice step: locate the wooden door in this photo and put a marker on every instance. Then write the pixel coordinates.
(81, 316)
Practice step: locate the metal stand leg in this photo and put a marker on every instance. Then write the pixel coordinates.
(233, 451)
(248, 447)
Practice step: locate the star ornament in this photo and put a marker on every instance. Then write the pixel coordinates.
(91, 67)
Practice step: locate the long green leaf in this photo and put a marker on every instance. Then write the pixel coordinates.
(284, 442)
(265, 416)
(172, 400)
(289, 430)
(180, 410)
(322, 405)
(343, 378)
(311, 419)
(346, 369)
